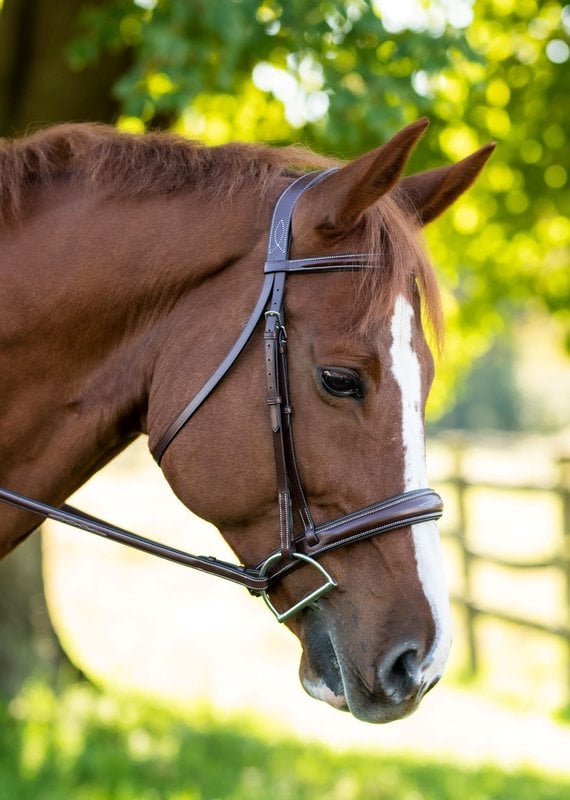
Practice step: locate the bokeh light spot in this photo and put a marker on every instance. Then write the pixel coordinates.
(531, 151)
(498, 122)
(498, 93)
(456, 141)
(554, 137)
(516, 202)
(466, 218)
(557, 51)
(555, 176)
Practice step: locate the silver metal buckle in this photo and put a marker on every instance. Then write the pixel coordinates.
(278, 316)
(329, 584)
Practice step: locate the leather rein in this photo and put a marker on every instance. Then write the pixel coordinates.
(296, 547)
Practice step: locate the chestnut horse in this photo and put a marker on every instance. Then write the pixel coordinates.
(129, 266)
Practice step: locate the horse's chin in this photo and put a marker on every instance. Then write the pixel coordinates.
(327, 676)
(373, 712)
(320, 691)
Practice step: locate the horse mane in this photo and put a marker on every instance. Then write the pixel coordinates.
(154, 164)
(137, 165)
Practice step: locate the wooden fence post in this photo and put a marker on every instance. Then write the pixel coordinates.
(458, 480)
(461, 486)
(564, 467)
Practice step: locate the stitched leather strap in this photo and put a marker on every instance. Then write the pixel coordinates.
(160, 447)
(78, 519)
(290, 494)
(395, 512)
(410, 508)
(332, 263)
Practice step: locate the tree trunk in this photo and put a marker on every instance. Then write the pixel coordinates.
(28, 644)
(37, 86)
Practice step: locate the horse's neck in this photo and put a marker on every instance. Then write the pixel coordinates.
(88, 289)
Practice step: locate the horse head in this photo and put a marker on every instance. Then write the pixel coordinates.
(360, 370)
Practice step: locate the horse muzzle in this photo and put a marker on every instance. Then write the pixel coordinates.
(391, 688)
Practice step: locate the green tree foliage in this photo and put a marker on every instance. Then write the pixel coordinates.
(310, 54)
(344, 75)
(37, 86)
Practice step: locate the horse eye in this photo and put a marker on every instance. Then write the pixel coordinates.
(341, 382)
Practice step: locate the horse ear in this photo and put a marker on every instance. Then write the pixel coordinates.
(430, 193)
(335, 204)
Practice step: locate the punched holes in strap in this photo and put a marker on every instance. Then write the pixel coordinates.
(273, 398)
(274, 338)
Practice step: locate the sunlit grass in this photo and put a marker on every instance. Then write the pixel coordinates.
(86, 745)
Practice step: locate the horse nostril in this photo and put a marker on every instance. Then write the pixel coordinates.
(399, 674)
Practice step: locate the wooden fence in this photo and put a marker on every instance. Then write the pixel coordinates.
(457, 484)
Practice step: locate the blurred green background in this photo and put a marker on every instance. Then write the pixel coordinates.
(340, 77)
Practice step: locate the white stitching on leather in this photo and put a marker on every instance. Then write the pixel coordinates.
(360, 514)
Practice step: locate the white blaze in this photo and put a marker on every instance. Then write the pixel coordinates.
(406, 370)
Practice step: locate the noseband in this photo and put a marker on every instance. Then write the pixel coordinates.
(301, 542)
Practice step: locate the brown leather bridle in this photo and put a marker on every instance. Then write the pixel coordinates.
(296, 547)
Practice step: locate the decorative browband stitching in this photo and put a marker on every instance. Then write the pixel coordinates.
(342, 261)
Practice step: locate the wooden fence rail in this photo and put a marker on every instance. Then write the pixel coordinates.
(458, 483)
